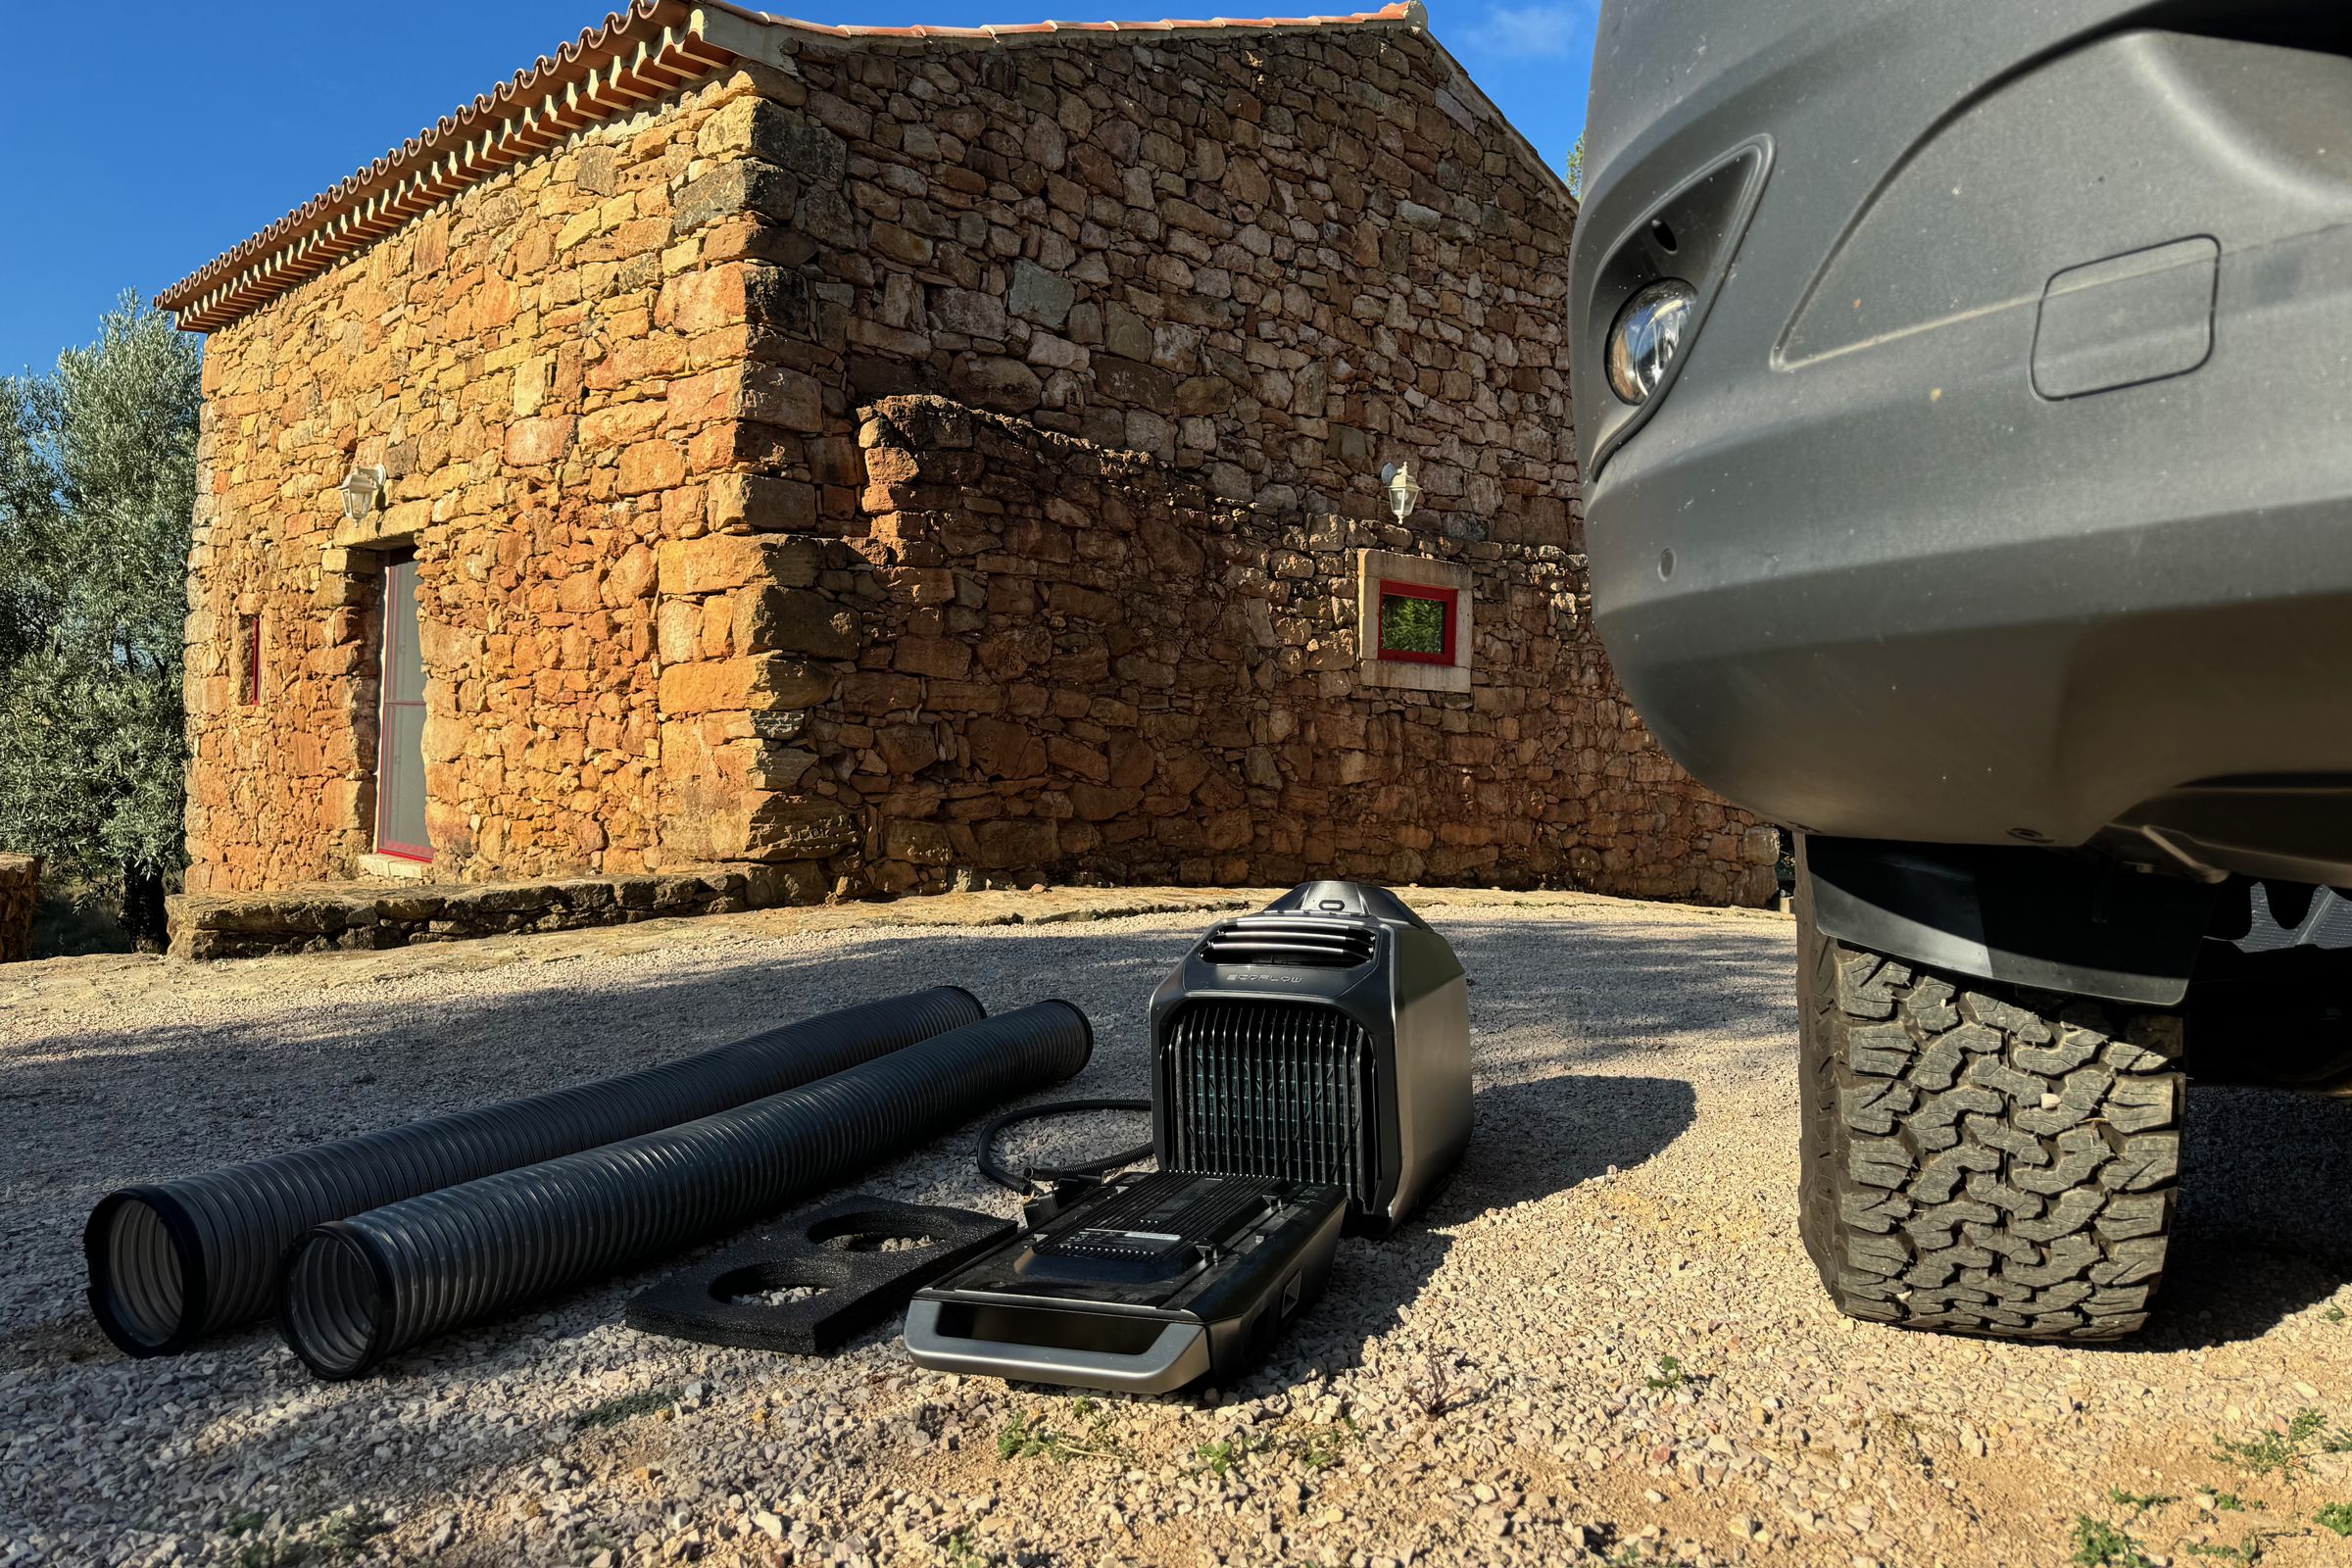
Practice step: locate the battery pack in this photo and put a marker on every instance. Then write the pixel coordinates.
(1144, 1285)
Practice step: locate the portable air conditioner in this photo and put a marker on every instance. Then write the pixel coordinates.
(1325, 1039)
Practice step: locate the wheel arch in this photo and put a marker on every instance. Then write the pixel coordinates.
(2026, 916)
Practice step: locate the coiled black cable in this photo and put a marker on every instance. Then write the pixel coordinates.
(357, 1291)
(996, 1171)
(173, 1261)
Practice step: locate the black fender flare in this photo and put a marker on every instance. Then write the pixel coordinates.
(2025, 916)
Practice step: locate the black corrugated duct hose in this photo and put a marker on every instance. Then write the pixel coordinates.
(357, 1291)
(175, 1261)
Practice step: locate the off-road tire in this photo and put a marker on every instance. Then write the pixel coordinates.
(1983, 1158)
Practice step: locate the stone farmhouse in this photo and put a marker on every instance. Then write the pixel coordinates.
(743, 462)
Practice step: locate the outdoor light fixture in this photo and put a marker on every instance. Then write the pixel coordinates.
(362, 491)
(1647, 337)
(1404, 491)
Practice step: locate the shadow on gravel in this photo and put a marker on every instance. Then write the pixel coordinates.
(1532, 1139)
(1529, 1141)
(1585, 993)
(2266, 1216)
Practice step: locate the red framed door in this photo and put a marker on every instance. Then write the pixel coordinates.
(400, 765)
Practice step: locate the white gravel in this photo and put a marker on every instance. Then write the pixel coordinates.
(1487, 1387)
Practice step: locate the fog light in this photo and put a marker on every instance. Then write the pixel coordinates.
(1647, 337)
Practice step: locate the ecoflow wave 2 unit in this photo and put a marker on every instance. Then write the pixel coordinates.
(1324, 1039)
(1312, 1070)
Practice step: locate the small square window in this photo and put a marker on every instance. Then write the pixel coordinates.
(1417, 622)
(249, 656)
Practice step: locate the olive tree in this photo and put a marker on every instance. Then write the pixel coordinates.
(97, 485)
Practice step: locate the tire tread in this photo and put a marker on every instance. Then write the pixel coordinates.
(1979, 1158)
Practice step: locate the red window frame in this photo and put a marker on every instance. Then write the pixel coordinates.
(1451, 597)
(249, 650)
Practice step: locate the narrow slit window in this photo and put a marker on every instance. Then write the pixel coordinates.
(249, 659)
(1417, 622)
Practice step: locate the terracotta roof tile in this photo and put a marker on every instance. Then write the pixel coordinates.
(1402, 12)
(638, 54)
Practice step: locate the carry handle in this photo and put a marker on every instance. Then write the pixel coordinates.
(1179, 1355)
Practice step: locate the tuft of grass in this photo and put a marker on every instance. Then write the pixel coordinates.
(1433, 1390)
(1670, 1374)
(2248, 1552)
(347, 1534)
(961, 1553)
(2139, 1502)
(2336, 1516)
(2230, 1502)
(1316, 1448)
(1219, 1457)
(1320, 1451)
(1028, 1436)
(2272, 1452)
(612, 1412)
(1633, 1554)
(2100, 1544)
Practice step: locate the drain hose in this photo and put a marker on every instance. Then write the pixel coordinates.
(357, 1291)
(178, 1260)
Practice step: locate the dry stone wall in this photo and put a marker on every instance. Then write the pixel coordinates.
(550, 368)
(1076, 662)
(1280, 259)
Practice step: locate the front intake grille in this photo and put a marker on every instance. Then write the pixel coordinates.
(1275, 1089)
(1291, 941)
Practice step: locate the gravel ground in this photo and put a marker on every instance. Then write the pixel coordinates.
(1600, 1342)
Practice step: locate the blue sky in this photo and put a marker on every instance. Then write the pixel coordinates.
(129, 159)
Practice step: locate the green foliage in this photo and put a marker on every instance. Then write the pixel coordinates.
(1576, 167)
(2100, 1544)
(278, 1551)
(628, 1407)
(2272, 1452)
(1316, 1448)
(1670, 1374)
(2139, 1502)
(1412, 625)
(1220, 1457)
(961, 1553)
(1029, 1437)
(2336, 1516)
(1635, 1554)
(348, 1533)
(97, 486)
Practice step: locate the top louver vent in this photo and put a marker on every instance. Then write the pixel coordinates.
(1291, 941)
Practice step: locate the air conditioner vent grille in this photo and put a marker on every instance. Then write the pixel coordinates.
(1272, 1089)
(1292, 942)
